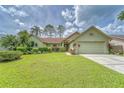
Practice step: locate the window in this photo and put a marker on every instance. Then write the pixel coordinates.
(32, 43)
(36, 45)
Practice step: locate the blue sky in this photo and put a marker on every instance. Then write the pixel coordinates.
(74, 18)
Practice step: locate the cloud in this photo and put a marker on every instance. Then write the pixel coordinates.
(3, 9)
(19, 22)
(68, 24)
(17, 30)
(117, 27)
(3, 33)
(75, 17)
(68, 15)
(70, 31)
(13, 11)
(104, 17)
(94, 15)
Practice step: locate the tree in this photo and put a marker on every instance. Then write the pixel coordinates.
(23, 37)
(35, 30)
(121, 15)
(61, 30)
(41, 33)
(9, 41)
(50, 30)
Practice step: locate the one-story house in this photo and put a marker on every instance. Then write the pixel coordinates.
(90, 41)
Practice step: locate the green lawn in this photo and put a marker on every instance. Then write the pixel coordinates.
(57, 70)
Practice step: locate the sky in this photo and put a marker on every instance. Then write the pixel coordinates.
(14, 18)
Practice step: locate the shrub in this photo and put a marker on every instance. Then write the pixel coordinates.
(22, 49)
(9, 55)
(25, 50)
(28, 48)
(40, 49)
(35, 50)
(62, 49)
(49, 49)
(44, 49)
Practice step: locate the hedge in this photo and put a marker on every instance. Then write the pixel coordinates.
(29, 50)
(45, 49)
(9, 55)
(35, 50)
(25, 50)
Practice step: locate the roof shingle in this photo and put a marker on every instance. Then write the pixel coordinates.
(52, 40)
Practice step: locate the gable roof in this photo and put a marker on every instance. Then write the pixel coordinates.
(93, 27)
(71, 35)
(118, 37)
(52, 40)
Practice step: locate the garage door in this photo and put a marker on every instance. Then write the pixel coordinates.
(91, 47)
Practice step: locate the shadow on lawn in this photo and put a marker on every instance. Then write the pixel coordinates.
(7, 61)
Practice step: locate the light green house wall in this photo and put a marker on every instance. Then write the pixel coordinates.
(91, 41)
(57, 44)
(37, 40)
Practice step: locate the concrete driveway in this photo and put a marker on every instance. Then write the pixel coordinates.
(113, 62)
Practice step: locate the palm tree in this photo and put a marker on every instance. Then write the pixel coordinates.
(41, 32)
(61, 30)
(35, 30)
(50, 30)
(9, 41)
(23, 37)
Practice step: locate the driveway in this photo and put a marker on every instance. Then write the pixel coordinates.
(113, 62)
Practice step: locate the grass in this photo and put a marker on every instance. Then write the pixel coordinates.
(57, 70)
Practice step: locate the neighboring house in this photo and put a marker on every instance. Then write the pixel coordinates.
(90, 41)
(53, 42)
(117, 40)
(69, 39)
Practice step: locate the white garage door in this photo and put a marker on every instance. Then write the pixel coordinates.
(91, 47)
